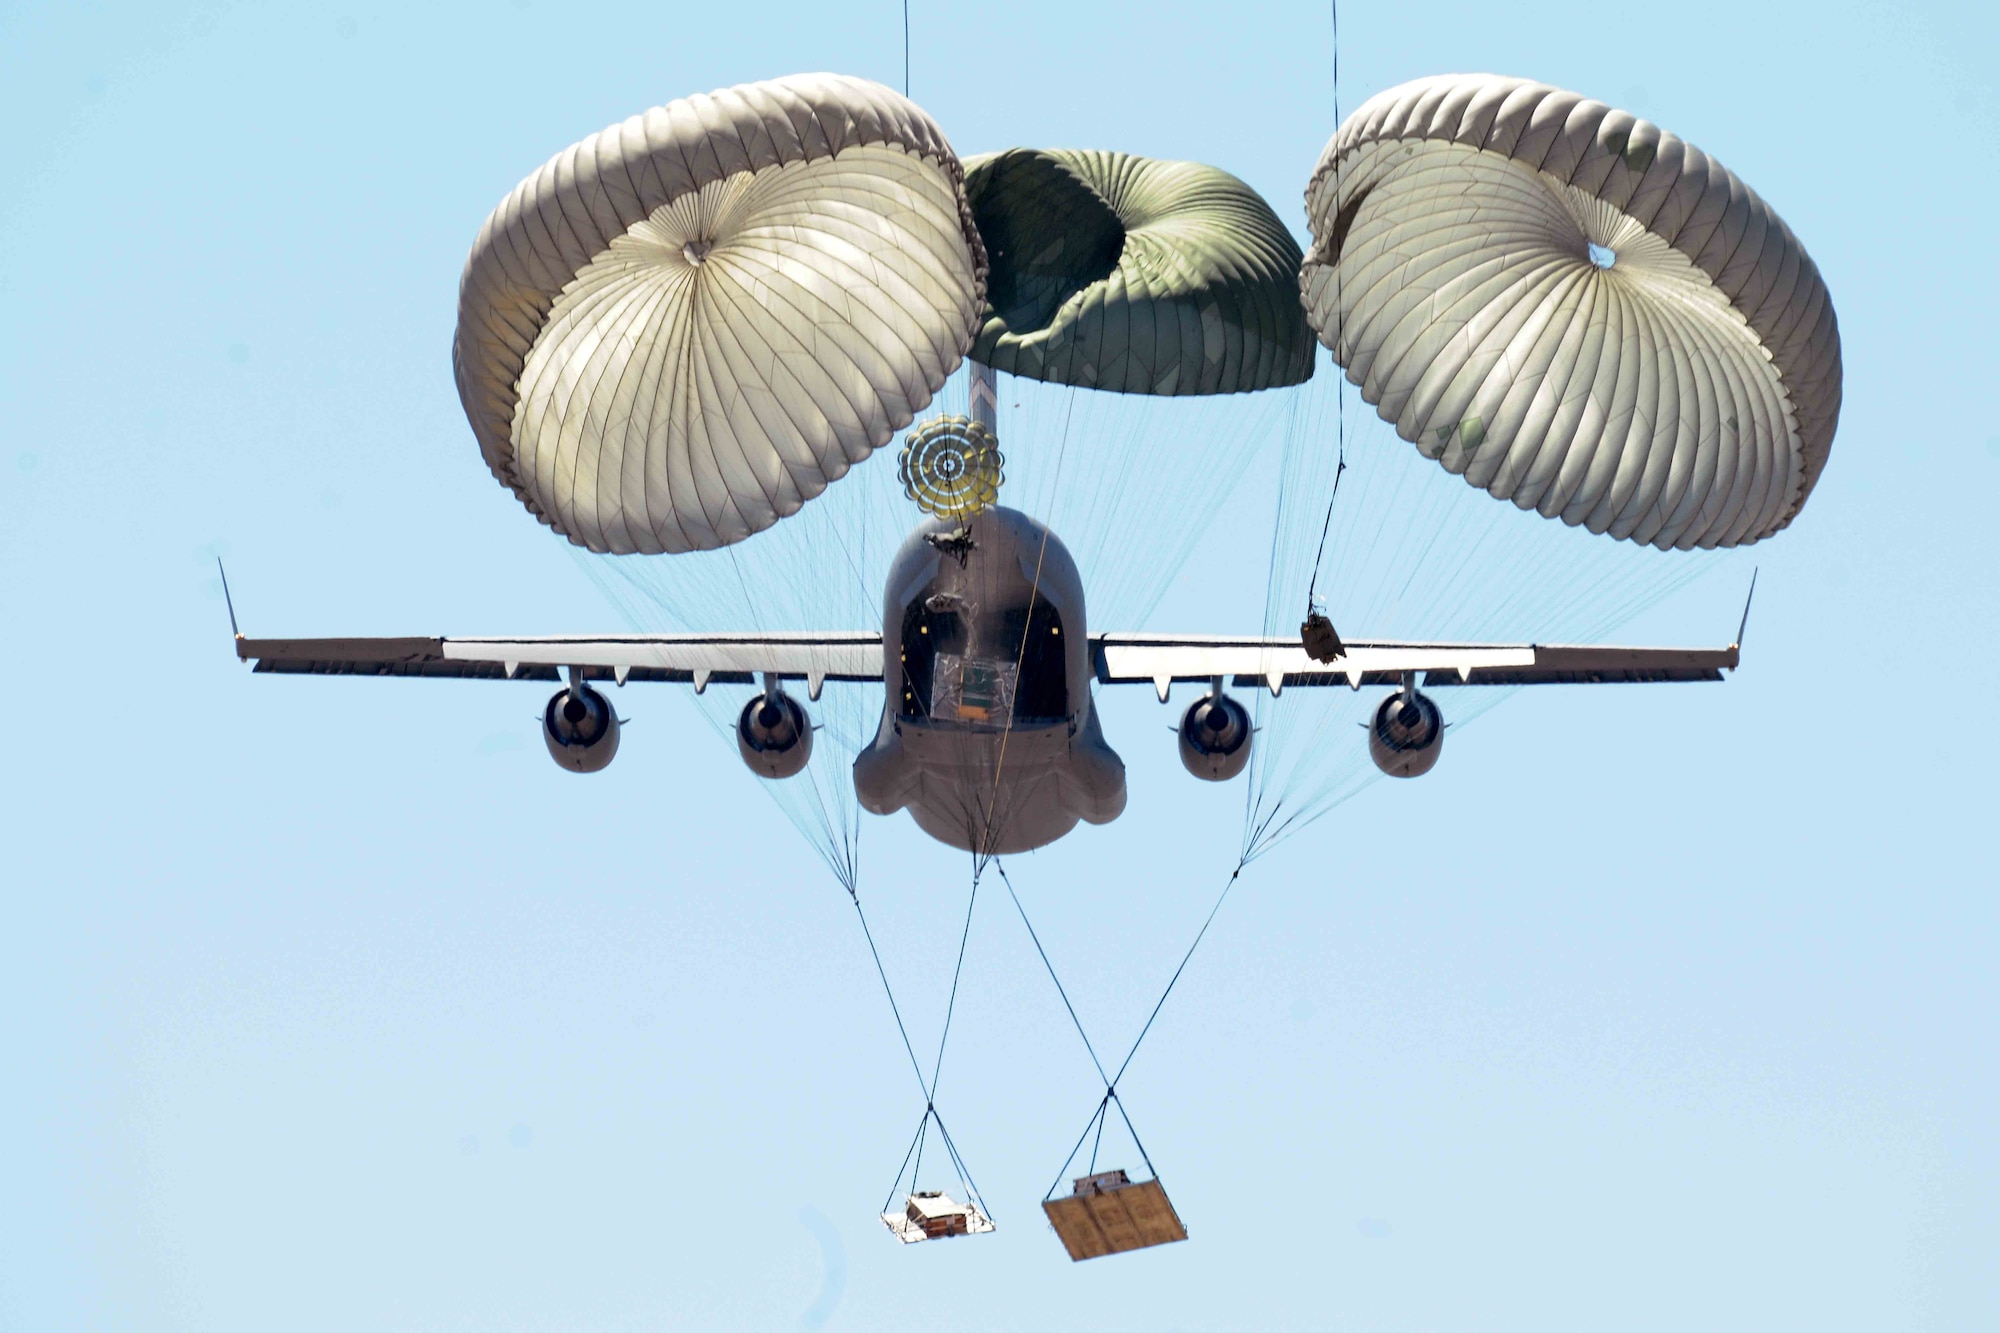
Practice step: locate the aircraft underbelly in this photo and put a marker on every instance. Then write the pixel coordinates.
(992, 791)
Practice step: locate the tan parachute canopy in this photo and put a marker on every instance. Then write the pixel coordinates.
(1574, 309)
(683, 328)
(1128, 273)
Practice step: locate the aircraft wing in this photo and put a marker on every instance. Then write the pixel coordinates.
(695, 659)
(1161, 659)
(1158, 659)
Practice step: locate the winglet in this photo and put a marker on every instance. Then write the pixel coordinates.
(1744, 623)
(226, 600)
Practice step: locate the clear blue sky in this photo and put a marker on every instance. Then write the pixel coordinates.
(334, 1005)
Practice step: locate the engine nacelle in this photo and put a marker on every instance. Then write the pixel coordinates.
(1406, 735)
(581, 728)
(1215, 738)
(774, 735)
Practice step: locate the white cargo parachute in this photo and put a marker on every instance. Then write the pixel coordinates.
(683, 328)
(1574, 310)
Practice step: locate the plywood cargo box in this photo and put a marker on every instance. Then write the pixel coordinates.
(1109, 1214)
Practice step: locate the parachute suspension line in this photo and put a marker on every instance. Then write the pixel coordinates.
(951, 1004)
(985, 840)
(913, 1158)
(906, 48)
(916, 1067)
(840, 843)
(639, 604)
(1095, 1122)
(1173, 981)
(1110, 1097)
(937, 1070)
(1262, 826)
(897, 1183)
(1256, 819)
(1339, 315)
(1258, 834)
(986, 832)
(957, 1162)
(915, 1154)
(1052, 973)
(1312, 587)
(842, 849)
(860, 579)
(1096, 1126)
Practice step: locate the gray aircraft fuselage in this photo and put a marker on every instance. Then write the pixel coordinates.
(989, 737)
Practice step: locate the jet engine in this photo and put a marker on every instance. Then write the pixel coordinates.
(774, 735)
(581, 728)
(1406, 735)
(1215, 737)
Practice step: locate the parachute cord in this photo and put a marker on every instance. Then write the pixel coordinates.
(1334, 5)
(1312, 587)
(1111, 1097)
(1144, 1156)
(952, 1004)
(1254, 842)
(1096, 1124)
(985, 853)
(913, 1159)
(915, 1153)
(1089, 1125)
(1052, 973)
(1260, 758)
(916, 1066)
(1222, 897)
(1110, 1092)
(1339, 320)
(958, 1164)
(906, 48)
(897, 1183)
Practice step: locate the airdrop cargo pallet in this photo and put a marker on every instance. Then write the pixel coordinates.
(1109, 1214)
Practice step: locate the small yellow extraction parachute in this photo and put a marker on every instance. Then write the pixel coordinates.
(952, 467)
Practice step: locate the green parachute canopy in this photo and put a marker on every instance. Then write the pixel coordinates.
(1117, 272)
